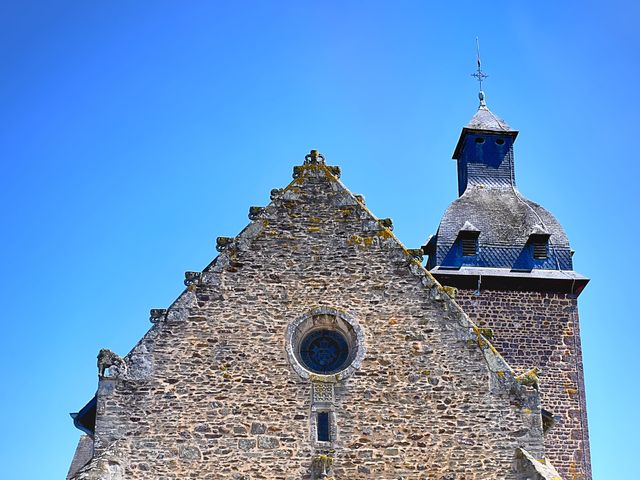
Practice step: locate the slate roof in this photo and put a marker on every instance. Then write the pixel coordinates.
(490, 203)
(484, 119)
(83, 455)
(503, 216)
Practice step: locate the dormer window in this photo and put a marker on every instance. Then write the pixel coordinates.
(540, 249)
(539, 241)
(469, 247)
(468, 236)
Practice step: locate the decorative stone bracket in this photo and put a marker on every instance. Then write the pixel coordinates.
(386, 222)
(275, 193)
(191, 278)
(530, 378)
(157, 314)
(222, 243)
(254, 212)
(416, 253)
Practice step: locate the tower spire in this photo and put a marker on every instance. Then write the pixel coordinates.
(480, 75)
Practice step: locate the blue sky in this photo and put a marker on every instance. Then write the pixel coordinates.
(132, 134)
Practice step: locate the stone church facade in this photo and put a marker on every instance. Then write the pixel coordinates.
(315, 345)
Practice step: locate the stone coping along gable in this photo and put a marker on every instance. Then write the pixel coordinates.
(178, 404)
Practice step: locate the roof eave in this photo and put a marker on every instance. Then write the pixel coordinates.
(559, 281)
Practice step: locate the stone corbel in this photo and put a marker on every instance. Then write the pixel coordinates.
(157, 314)
(192, 278)
(222, 243)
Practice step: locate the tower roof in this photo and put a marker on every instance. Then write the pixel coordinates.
(503, 216)
(485, 120)
(510, 226)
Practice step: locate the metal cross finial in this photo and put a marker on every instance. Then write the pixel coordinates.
(480, 75)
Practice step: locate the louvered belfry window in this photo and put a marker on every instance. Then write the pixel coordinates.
(540, 249)
(469, 247)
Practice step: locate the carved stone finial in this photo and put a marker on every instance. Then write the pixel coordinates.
(314, 157)
(108, 359)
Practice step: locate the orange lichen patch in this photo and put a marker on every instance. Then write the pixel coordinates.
(346, 211)
(416, 261)
(393, 321)
(313, 229)
(573, 471)
(451, 291)
(327, 172)
(529, 378)
(483, 342)
(360, 241)
(486, 333)
(385, 233)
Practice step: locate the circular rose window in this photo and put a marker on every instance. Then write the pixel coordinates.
(325, 342)
(324, 351)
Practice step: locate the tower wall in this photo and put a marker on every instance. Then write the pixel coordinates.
(542, 329)
(486, 163)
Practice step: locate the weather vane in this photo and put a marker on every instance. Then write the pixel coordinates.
(480, 75)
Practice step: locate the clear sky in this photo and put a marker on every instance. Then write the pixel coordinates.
(132, 134)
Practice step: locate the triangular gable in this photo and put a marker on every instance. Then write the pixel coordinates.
(382, 232)
(315, 248)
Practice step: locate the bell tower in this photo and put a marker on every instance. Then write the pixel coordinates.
(511, 261)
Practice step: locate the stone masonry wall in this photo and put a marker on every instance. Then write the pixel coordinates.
(210, 393)
(541, 329)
